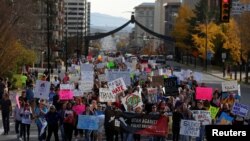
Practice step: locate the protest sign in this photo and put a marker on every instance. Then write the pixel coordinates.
(240, 109)
(157, 81)
(110, 65)
(86, 86)
(65, 94)
(132, 101)
(152, 95)
(106, 96)
(171, 86)
(116, 86)
(66, 87)
(102, 78)
(42, 89)
(87, 67)
(224, 119)
(203, 93)
(143, 124)
(112, 75)
(79, 109)
(87, 76)
(213, 111)
(228, 86)
(88, 122)
(202, 116)
(77, 92)
(17, 101)
(100, 65)
(190, 128)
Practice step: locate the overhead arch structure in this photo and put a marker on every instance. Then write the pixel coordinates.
(132, 20)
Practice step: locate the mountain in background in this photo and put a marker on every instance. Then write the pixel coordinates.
(107, 22)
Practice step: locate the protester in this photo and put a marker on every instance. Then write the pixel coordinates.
(68, 122)
(53, 118)
(26, 115)
(17, 116)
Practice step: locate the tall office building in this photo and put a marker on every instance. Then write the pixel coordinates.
(144, 14)
(76, 17)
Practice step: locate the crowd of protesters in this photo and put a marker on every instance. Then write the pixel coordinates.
(61, 117)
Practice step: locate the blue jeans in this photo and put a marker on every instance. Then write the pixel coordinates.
(62, 132)
(88, 135)
(127, 136)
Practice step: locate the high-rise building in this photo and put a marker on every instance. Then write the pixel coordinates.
(144, 14)
(76, 17)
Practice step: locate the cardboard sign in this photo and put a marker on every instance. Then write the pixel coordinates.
(42, 89)
(116, 86)
(132, 101)
(213, 111)
(240, 109)
(87, 76)
(86, 86)
(65, 94)
(77, 92)
(157, 81)
(79, 109)
(228, 86)
(106, 96)
(202, 116)
(190, 128)
(152, 95)
(171, 86)
(204, 93)
(88, 122)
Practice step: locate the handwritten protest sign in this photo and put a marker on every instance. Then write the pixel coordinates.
(66, 87)
(100, 65)
(213, 111)
(240, 109)
(224, 119)
(202, 116)
(87, 67)
(204, 93)
(65, 94)
(102, 78)
(106, 96)
(77, 92)
(190, 128)
(116, 86)
(132, 101)
(87, 76)
(88, 122)
(152, 95)
(42, 89)
(86, 86)
(228, 86)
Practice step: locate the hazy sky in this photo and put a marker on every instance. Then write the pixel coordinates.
(120, 8)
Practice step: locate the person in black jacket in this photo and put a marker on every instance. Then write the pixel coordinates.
(53, 119)
(6, 108)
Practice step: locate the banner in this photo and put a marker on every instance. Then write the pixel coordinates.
(65, 94)
(190, 128)
(143, 124)
(42, 89)
(213, 111)
(203, 93)
(106, 96)
(224, 119)
(88, 122)
(152, 95)
(116, 86)
(132, 101)
(157, 81)
(240, 109)
(228, 86)
(112, 75)
(171, 86)
(202, 116)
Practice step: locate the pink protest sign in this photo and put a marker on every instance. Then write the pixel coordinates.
(79, 109)
(17, 101)
(65, 94)
(204, 93)
(148, 70)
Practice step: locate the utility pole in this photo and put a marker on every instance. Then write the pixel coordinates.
(48, 39)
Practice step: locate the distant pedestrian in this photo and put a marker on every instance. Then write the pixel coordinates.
(6, 108)
(17, 116)
(26, 115)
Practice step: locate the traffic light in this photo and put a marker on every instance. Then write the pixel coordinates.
(225, 10)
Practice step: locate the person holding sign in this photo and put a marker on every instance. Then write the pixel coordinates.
(17, 117)
(68, 122)
(26, 115)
